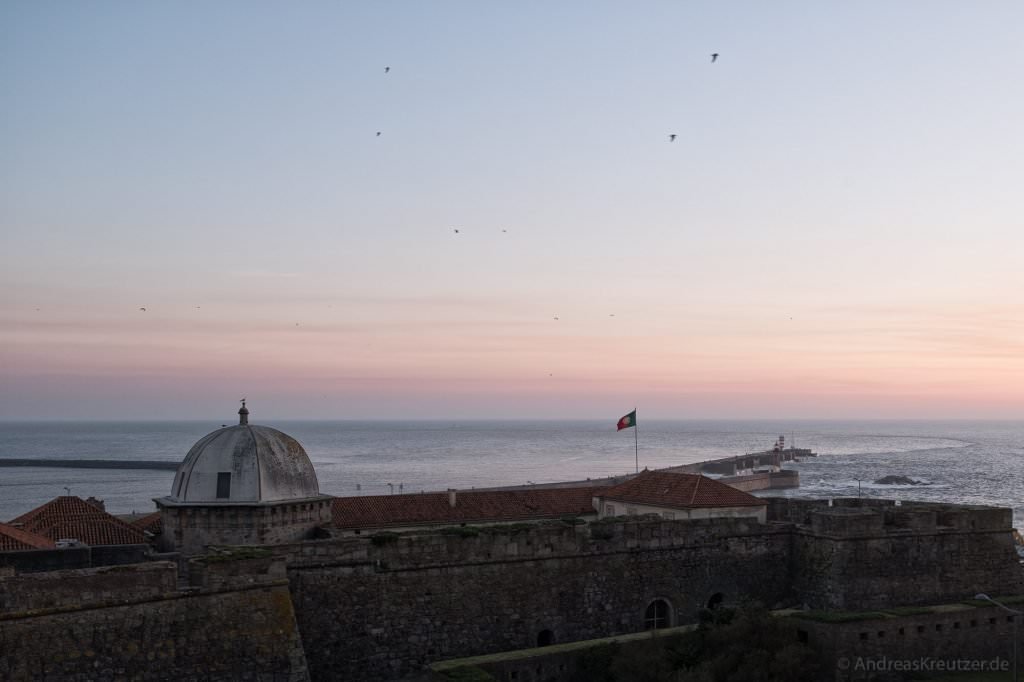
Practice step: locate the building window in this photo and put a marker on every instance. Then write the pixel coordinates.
(657, 615)
(545, 638)
(223, 484)
(609, 510)
(715, 600)
(668, 516)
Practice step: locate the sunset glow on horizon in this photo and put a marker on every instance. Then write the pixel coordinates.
(835, 233)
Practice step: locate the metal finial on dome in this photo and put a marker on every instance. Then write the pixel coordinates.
(243, 414)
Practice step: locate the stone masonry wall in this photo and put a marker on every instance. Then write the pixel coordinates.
(382, 612)
(88, 587)
(887, 649)
(870, 556)
(240, 633)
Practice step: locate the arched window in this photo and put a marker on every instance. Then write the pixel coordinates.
(715, 601)
(658, 615)
(545, 638)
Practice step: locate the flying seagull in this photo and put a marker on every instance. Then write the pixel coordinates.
(714, 57)
(378, 133)
(556, 318)
(386, 69)
(456, 230)
(142, 309)
(672, 138)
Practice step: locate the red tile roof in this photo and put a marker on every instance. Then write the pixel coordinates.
(13, 539)
(73, 518)
(151, 523)
(678, 491)
(471, 506)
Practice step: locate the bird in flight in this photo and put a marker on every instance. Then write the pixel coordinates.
(672, 138)
(714, 57)
(456, 230)
(556, 318)
(142, 309)
(378, 133)
(504, 230)
(386, 69)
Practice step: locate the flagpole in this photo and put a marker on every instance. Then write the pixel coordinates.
(636, 446)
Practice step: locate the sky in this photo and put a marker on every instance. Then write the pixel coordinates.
(837, 230)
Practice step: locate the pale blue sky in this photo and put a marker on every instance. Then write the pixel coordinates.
(843, 164)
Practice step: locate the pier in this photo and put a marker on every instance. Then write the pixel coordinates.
(750, 463)
(91, 463)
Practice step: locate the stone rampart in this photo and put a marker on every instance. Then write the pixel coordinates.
(961, 639)
(85, 588)
(148, 630)
(383, 609)
(865, 556)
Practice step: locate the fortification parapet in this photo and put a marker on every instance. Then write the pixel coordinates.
(840, 521)
(526, 541)
(241, 568)
(86, 588)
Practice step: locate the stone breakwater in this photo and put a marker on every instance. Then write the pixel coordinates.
(90, 463)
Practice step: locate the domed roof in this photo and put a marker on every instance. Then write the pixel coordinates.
(245, 463)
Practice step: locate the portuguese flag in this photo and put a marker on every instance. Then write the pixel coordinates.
(627, 421)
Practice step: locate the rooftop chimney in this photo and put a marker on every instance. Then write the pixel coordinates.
(451, 497)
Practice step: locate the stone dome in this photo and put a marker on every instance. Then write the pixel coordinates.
(245, 464)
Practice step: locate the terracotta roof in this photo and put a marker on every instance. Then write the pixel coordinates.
(151, 523)
(73, 518)
(678, 491)
(13, 539)
(471, 506)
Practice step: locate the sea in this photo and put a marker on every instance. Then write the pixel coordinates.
(974, 462)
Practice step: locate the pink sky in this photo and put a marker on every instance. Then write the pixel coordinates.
(835, 231)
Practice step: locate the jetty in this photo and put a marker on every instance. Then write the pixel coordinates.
(90, 463)
(755, 470)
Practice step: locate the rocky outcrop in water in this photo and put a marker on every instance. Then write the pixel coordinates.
(898, 480)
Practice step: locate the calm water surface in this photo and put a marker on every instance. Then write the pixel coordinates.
(968, 461)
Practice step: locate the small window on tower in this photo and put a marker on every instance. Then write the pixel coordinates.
(224, 484)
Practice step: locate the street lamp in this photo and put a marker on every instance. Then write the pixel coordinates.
(1015, 612)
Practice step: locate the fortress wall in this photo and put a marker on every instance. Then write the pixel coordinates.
(247, 632)
(883, 649)
(522, 541)
(86, 587)
(42, 560)
(903, 568)
(413, 601)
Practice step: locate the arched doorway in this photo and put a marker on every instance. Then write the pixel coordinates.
(545, 638)
(715, 601)
(658, 615)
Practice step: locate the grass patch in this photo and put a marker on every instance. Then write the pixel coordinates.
(840, 616)
(222, 555)
(467, 673)
(383, 538)
(461, 531)
(910, 610)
